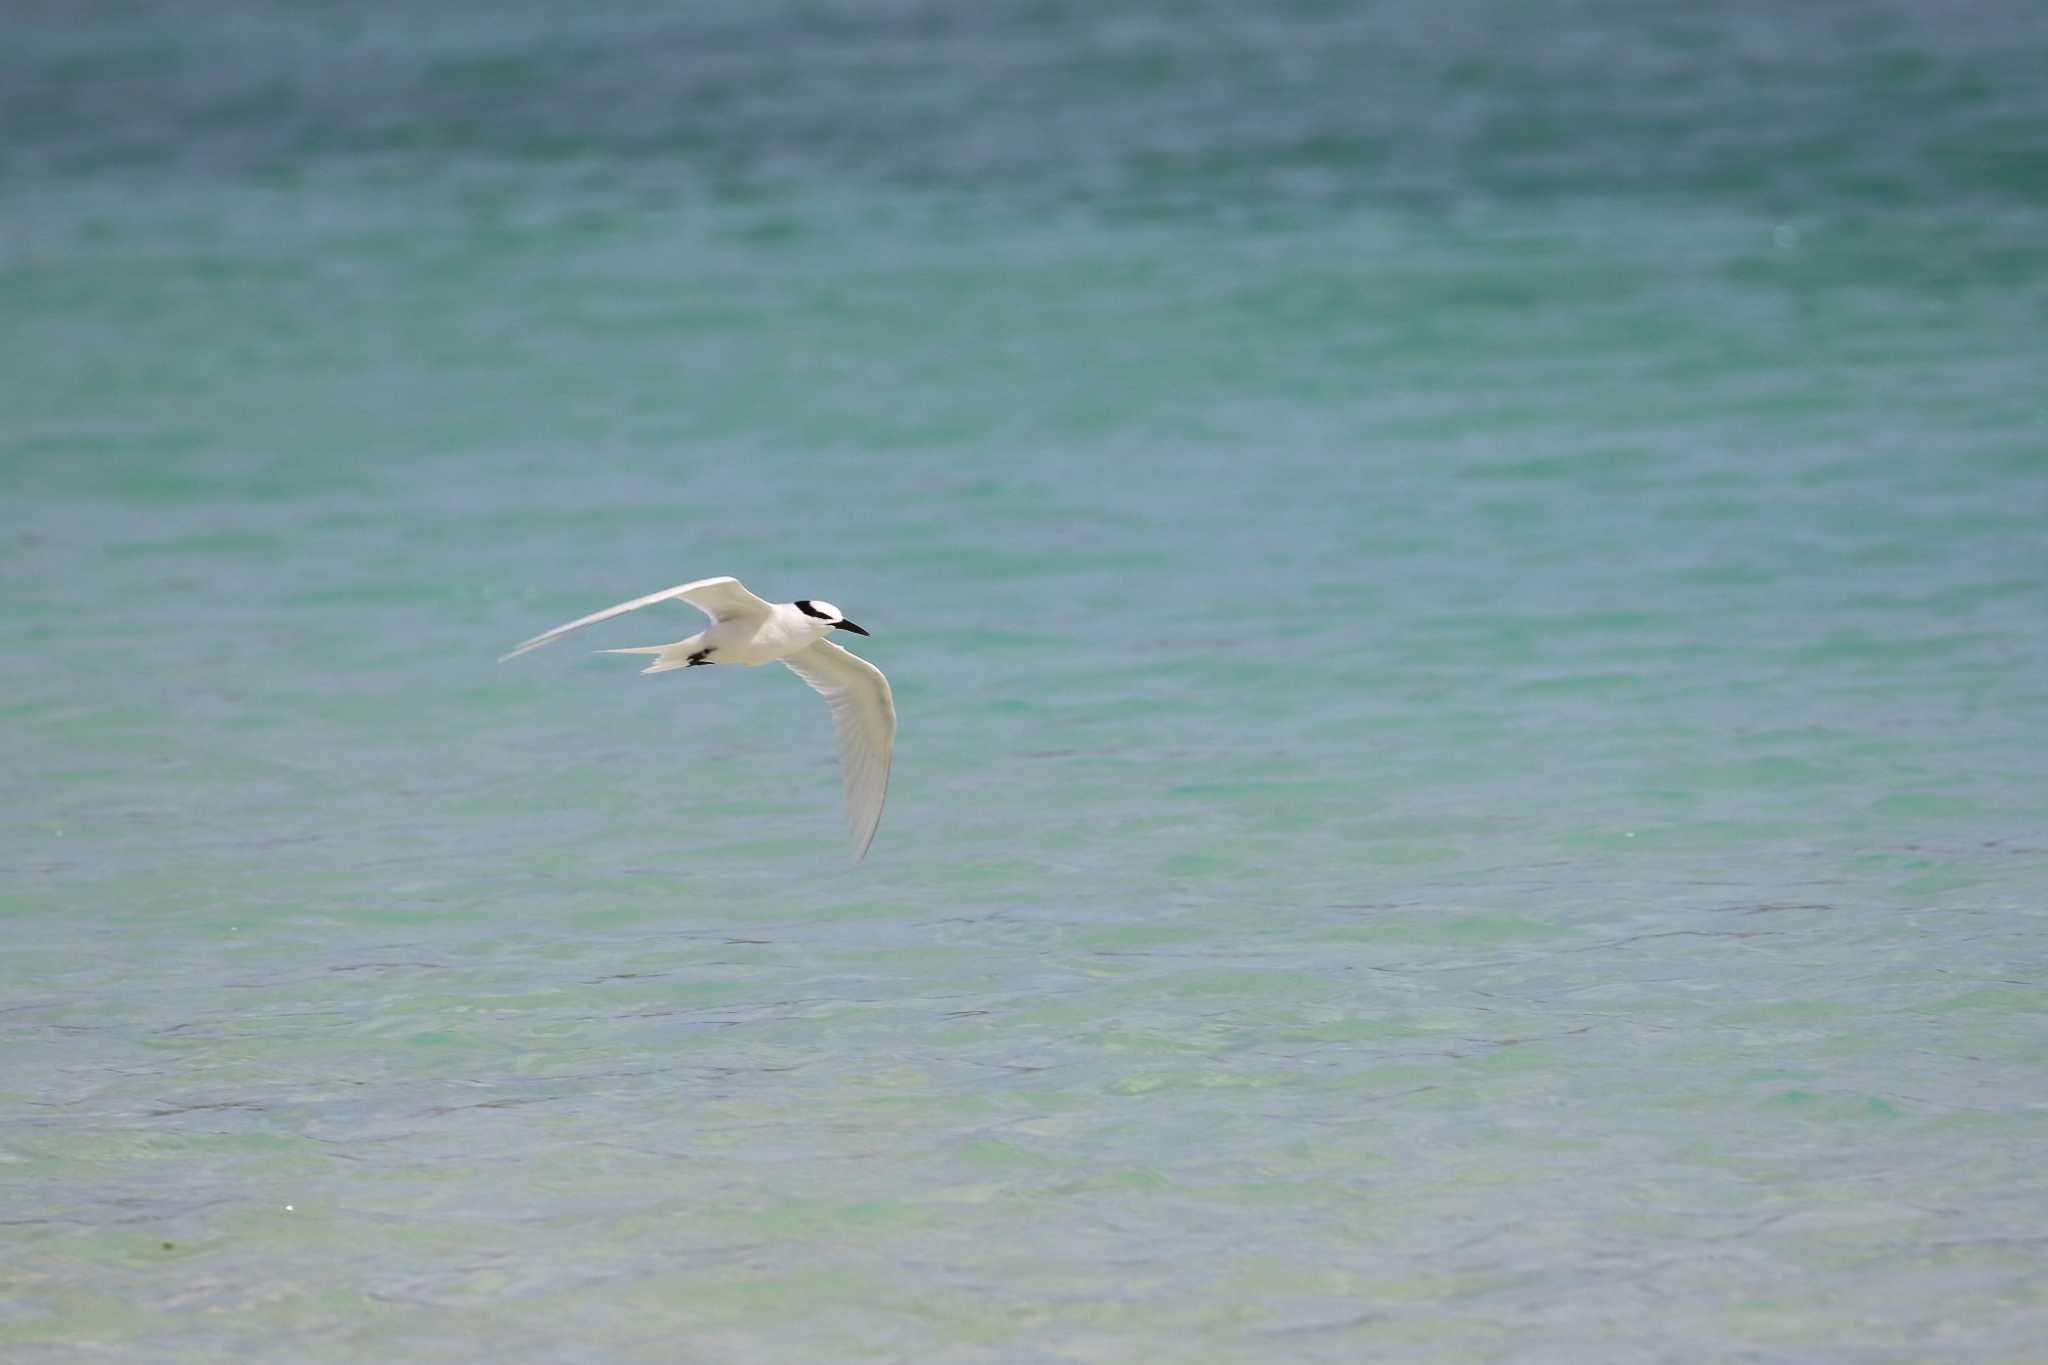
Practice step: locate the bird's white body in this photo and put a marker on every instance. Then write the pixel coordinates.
(746, 630)
(752, 640)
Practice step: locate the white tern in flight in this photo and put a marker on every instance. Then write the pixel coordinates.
(746, 630)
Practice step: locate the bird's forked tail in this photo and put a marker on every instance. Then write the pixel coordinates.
(681, 654)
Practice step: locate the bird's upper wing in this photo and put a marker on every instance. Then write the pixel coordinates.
(863, 723)
(722, 599)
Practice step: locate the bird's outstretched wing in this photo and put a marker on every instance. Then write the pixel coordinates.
(722, 599)
(863, 723)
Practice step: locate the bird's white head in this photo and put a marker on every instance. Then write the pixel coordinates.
(829, 614)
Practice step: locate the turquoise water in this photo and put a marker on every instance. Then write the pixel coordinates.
(1466, 595)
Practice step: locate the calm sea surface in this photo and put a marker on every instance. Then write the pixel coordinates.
(1468, 593)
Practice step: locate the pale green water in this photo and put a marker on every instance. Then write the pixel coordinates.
(1466, 595)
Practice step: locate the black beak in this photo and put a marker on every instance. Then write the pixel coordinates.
(848, 625)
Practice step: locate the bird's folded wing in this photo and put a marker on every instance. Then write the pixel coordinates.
(722, 599)
(863, 723)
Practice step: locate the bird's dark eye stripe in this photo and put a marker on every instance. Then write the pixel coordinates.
(804, 605)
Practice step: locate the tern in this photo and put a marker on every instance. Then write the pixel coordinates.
(746, 630)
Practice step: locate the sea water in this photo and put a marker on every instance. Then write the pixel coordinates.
(1465, 589)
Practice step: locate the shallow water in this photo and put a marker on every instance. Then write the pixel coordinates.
(1466, 598)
